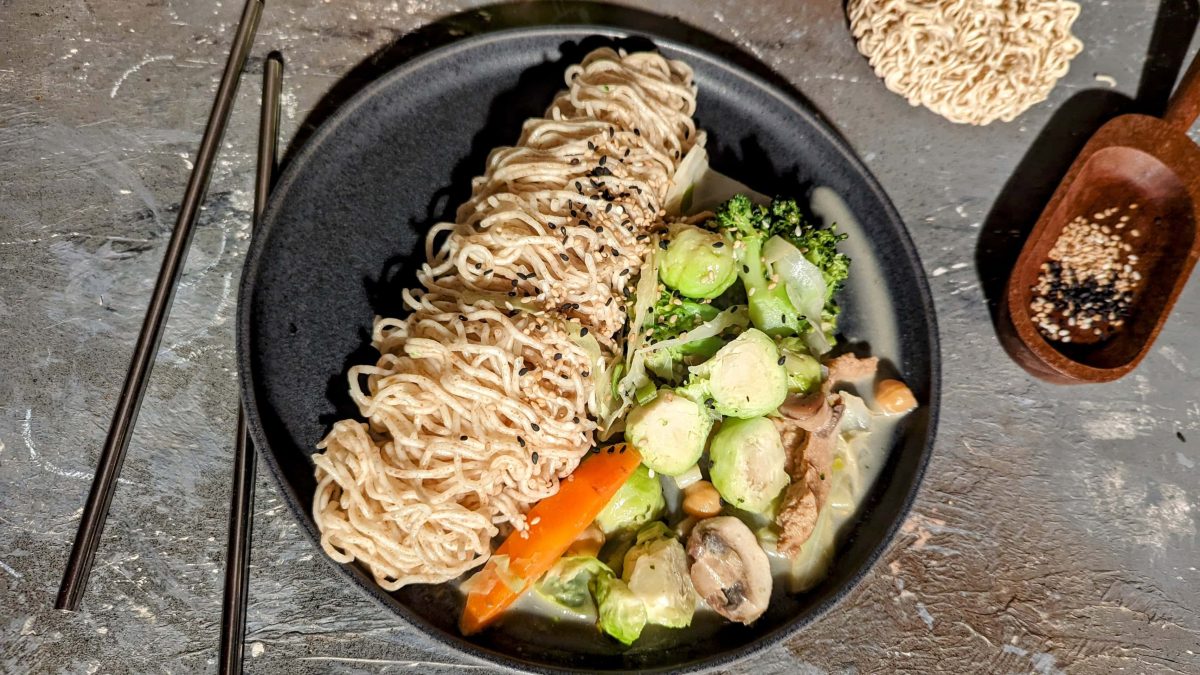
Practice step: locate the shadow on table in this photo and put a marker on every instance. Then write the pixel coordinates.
(1037, 176)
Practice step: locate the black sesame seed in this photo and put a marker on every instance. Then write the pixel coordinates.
(782, 360)
(462, 438)
(637, 131)
(574, 161)
(603, 159)
(523, 372)
(512, 294)
(622, 451)
(534, 426)
(478, 265)
(488, 272)
(579, 187)
(624, 272)
(514, 283)
(608, 302)
(564, 256)
(745, 269)
(521, 441)
(608, 208)
(584, 331)
(462, 317)
(626, 152)
(535, 457)
(591, 145)
(709, 402)
(575, 419)
(614, 251)
(663, 244)
(586, 373)
(558, 356)
(719, 244)
(611, 449)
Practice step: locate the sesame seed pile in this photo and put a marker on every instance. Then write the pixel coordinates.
(1086, 286)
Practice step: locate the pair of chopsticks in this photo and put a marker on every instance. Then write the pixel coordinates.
(95, 511)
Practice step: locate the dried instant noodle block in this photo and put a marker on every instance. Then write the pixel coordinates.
(970, 61)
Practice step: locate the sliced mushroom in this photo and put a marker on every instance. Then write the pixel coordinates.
(729, 569)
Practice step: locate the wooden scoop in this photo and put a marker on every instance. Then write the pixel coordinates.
(1148, 169)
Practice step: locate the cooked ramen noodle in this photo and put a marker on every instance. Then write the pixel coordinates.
(479, 402)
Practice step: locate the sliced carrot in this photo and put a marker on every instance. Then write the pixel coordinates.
(554, 523)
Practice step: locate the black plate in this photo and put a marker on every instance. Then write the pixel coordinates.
(342, 234)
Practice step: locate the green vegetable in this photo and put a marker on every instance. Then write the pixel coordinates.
(693, 330)
(803, 371)
(743, 379)
(567, 582)
(639, 501)
(622, 614)
(673, 315)
(771, 305)
(669, 432)
(746, 463)
(698, 263)
(656, 570)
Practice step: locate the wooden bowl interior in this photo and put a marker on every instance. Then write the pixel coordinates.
(1118, 177)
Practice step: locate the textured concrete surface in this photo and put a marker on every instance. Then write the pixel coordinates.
(1056, 530)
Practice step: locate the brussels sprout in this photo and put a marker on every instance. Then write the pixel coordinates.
(746, 463)
(697, 263)
(669, 432)
(656, 570)
(743, 379)
(639, 501)
(567, 582)
(803, 371)
(622, 614)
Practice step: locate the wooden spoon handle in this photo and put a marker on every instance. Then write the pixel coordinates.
(1185, 104)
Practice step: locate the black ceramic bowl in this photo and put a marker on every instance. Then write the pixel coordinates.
(341, 236)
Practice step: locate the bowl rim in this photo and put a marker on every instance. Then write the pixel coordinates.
(796, 105)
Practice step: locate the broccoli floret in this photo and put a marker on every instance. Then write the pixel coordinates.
(672, 316)
(818, 244)
(751, 226)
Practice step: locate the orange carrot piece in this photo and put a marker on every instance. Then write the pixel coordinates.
(554, 523)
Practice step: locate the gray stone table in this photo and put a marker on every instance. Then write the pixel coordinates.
(1056, 529)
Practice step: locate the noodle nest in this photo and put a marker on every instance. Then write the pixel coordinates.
(970, 61)
(481, 400)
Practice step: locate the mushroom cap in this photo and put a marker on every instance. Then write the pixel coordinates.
(729, 569)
